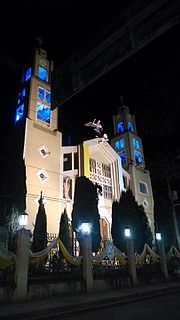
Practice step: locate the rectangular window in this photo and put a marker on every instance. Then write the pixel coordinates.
(76, 160)
(119, 144)
(67, 161)
(137, 157)
(43, 113)
(28, 74)
(23, 92)
(19, 98)
(143, 188)
(107, 192)
(130, 126)
(42, 73)
(19, 113)
(92, 165)
(123, 157)
(106, 171)
(48, 96)
(41, 93)
(136, 143)
(120, 126)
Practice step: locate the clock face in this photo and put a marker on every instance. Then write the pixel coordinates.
(43, 63)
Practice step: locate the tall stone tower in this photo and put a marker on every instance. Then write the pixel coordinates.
(41, 139)
(129, 146)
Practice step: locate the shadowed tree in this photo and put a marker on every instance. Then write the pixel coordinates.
(64, 234)
(116, 225)
(40, 228)
(12, 196)
(85, 209)
(128, 214)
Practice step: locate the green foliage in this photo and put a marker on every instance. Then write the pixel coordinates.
(40, 229)
(85, 209)
(9, 219)
(12, 195)
(64, 234)
(128, 214)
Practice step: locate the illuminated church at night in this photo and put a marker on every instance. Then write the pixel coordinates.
(53, 168)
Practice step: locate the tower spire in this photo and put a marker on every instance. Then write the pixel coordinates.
(122, 106)
(121, 100)
(40, 41)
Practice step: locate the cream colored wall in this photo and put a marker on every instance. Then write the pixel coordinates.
(144, 176)
(104, 153)
(35, 137)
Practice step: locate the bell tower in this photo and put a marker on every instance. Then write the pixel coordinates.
(41, 139)
(128, 145)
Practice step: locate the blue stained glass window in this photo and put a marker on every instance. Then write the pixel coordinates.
(28, 74)
(130, 126)
(42, 73)
(137, 157)
(43, 113)
(19, 113)
(19, 98)
(48, 97)
(123, 157)
(41, 93)
(23, 92)
(119, 144)
(120, 126)
(136, 144)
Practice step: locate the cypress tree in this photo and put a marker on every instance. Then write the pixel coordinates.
(40, 228)
(115, 227)
(85, 209)
(64, 234)
(128, 214)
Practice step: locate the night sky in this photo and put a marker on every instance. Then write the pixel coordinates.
(149, 80)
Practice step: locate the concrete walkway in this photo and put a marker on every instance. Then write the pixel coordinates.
(81, 302)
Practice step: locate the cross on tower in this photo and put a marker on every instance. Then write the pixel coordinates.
(39, 40)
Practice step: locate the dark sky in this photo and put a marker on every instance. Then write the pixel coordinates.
(64, 25)
(149, 80)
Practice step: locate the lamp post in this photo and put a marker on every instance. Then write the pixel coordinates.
(176, 227)
(164, 268)
(131, 256)
(22, 260)
(23, 219)
(85, 229)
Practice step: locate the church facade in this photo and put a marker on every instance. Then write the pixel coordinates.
(53, 168)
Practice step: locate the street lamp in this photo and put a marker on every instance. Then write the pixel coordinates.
(164, 268)
(176, 227)
(158, 236)
(131, 256)
(23, 219)
(127, 232)
(85, 230)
